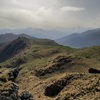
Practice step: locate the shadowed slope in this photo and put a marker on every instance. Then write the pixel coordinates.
(13, 48)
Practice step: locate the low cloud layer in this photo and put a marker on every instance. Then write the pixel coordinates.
(69, 8)
(49, 14)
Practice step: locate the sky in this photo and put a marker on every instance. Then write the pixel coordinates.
(49, 14)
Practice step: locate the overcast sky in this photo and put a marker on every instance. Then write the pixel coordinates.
(49, 14)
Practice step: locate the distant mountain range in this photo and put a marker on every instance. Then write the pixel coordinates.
(81, 40)
(42, 33)
(8, 37)
(77, 40)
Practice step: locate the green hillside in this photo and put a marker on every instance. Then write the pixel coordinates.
(44, 63)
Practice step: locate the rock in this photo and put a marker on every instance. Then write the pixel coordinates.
(10, 94)
(13, 74)
(56, 65)
(0, 72)
(95, 71)
(10, 89)
(26, 96)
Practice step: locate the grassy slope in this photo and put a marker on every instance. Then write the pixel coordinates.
(41, 56)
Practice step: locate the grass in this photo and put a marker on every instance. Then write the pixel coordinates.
(39, 55)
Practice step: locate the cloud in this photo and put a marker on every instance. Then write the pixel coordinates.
(44, 11)
(49, 13)
(69, 8)
(42, 18)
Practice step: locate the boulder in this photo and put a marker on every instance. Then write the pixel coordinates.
(13, 74)
(95, 71)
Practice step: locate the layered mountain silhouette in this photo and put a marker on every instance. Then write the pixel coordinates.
(8, 37)
(38, 32)
(85, 39)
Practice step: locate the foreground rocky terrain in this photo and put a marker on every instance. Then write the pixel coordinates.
(43, 70)
(65, 86)
(9, 87)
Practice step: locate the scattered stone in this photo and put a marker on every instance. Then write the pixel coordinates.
(26, 96)
(13, 74)
(95, 71)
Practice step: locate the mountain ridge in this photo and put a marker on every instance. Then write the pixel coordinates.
(84, 39)
(19, 44)
(8, 37)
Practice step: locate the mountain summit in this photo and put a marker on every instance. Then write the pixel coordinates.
(8, 37)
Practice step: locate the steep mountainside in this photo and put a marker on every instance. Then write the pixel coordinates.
(19, 44)
(13, 48)
(50, 71)
(85, 39)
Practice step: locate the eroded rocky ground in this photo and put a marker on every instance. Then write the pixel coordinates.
(66, 86)
(9, 87)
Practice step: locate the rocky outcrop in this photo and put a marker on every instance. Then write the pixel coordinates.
(13, 74)
(54, 66)
(10, 94)
(26, 96)
(9, 90)
(74, 87)
(55, 88)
